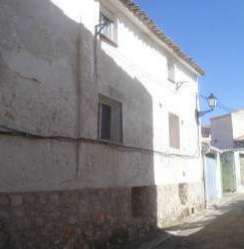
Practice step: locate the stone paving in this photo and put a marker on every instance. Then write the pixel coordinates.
(221, 227)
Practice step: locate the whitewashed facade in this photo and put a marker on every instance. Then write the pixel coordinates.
(81, 110)
(227, 131)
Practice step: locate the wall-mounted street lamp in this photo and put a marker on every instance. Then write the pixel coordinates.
(212, 102)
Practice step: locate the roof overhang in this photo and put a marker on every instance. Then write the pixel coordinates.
(171, 47)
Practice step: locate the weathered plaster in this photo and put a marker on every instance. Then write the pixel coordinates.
(52, 71)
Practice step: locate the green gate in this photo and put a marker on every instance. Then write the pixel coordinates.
(228, 172)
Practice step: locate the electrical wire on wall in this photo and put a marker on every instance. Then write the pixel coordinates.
(5, 130)
(120, 147)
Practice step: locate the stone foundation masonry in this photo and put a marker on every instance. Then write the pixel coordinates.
(98, 218)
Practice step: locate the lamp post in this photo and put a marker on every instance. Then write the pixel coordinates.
(212, 102)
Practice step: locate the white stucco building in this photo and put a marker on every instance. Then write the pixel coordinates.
(227, 134)
(96, 102)
(227, 131)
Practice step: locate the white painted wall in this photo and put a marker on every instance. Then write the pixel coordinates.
(238, 124)
(44, 40)
(225, 129)
(142, 59)
(221, 132)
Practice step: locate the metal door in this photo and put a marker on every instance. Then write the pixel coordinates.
(211, 178)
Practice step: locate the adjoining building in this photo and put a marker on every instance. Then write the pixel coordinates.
(227, 134)
(227, 131)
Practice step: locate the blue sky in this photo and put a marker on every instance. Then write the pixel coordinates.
(212, 33)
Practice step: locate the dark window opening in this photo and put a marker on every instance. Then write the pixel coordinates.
(105, 111)
(110, 119)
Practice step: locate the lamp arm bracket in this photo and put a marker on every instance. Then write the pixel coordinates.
(180, 84)
(202, 113)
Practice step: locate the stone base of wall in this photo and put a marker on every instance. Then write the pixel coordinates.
(98, 218)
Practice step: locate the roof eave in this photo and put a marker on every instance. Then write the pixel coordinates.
(149, 23)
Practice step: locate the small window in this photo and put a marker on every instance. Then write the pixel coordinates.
(110, 119)
(174, 131)
(171, 71)
(108, 30)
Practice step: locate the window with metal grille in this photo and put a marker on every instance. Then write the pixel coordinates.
(110, 119)
(109, 28)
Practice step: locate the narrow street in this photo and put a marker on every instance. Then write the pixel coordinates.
(220, 227)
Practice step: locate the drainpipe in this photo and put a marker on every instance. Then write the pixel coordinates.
(79, 82)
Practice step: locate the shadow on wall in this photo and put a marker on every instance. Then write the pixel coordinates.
(68, 193)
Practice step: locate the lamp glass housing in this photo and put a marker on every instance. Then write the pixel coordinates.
(212, 101)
